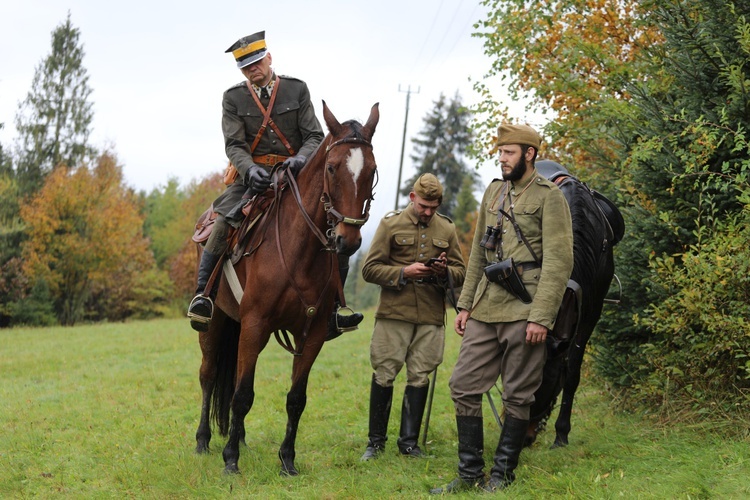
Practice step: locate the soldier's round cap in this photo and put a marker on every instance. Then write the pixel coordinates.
(249, 49)
(428, 187)
(518, 134)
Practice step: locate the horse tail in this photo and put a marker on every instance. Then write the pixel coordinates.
(226, 370)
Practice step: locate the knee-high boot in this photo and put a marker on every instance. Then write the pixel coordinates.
(412, 410)
(338, 323)
(380, 412)
(508, 451)
(201, 308)
(470, 460)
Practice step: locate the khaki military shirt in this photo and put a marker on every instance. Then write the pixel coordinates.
(543, 215)
(292, 112)
(401, 240)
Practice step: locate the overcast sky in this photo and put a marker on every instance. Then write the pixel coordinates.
(158, 70)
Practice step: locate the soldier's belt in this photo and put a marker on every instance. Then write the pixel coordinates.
(269, 160)
(430, 280)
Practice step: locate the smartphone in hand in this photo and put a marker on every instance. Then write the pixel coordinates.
(432, 261)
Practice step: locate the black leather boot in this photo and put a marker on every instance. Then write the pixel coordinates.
(508, 450)
(380, 412)
(201, 308)
(470, 460)
(412, 410)
(339, 323)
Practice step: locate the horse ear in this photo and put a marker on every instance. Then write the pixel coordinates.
(372, 122)
(333, 124)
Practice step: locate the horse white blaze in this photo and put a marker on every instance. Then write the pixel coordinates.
(355, 163)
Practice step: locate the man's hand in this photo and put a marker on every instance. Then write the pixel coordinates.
(460, 322)
(295, 164)
(257, 179)
(535, 333)
(440, 267)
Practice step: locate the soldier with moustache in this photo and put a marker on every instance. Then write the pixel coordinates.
(254, 145)
(410, 317)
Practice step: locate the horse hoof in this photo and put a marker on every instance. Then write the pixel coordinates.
(231, 469)
(202, 449)
(288, 471)
(558, 444)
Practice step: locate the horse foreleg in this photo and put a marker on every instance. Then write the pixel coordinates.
(242, 401)
(296, 400)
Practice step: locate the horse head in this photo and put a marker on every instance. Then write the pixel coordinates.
(350, 176)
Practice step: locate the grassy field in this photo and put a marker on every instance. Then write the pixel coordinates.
(110, 411)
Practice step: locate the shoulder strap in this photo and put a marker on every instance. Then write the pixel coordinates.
(519, 233)
(267, 117)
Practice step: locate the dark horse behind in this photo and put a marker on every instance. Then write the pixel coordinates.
(289, 273)
(597, 227)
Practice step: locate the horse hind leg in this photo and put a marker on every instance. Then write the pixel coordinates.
(572, 380)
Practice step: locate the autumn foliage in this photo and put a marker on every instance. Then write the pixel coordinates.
(85, 240)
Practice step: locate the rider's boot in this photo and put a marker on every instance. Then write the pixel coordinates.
(201, 308)
(339, 323)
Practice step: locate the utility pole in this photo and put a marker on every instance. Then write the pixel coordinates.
(403, 140)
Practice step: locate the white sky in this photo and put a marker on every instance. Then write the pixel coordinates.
(158, 71)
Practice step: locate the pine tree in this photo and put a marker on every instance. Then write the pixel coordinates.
(54, 121)
(440, 149)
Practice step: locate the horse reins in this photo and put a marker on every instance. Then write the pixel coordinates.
(333, 217)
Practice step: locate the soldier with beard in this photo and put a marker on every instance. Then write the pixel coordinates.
(504, 328)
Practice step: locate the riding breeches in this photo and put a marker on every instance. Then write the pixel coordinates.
(489, 350)
(396, 342)
(217, 241)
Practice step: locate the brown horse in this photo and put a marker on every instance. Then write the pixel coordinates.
(289, 274)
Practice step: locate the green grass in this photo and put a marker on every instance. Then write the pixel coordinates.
(110, 411)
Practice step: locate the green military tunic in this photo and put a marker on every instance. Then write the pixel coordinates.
(292, 112)
(400, 240)
(537, 207)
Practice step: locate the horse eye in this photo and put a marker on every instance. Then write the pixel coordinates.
(329, 167)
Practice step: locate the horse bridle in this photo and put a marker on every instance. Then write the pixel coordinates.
(334, 216)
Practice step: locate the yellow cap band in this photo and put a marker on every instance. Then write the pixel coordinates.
(247, 49)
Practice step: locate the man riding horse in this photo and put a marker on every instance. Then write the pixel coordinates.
(266, 119)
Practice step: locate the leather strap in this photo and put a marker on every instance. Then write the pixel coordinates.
(267, 117)
(269, 160)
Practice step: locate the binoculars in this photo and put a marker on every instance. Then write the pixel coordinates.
(489, 240)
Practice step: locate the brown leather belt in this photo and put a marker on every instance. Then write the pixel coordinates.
(526, 266)
(269, 160)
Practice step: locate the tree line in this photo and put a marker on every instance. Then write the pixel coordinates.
(77, 244)
(646, 101)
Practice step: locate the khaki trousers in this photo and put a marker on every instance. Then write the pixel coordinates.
(489, 350)
(396, 342)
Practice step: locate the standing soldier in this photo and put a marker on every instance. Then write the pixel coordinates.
(518, 271)
(414, 257)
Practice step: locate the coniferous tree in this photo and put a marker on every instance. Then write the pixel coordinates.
(54, 121)
(441, 147)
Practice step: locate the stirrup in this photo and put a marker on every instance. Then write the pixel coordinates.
(343, 329)
(197, 318)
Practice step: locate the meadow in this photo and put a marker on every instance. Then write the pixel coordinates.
(110, 411)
